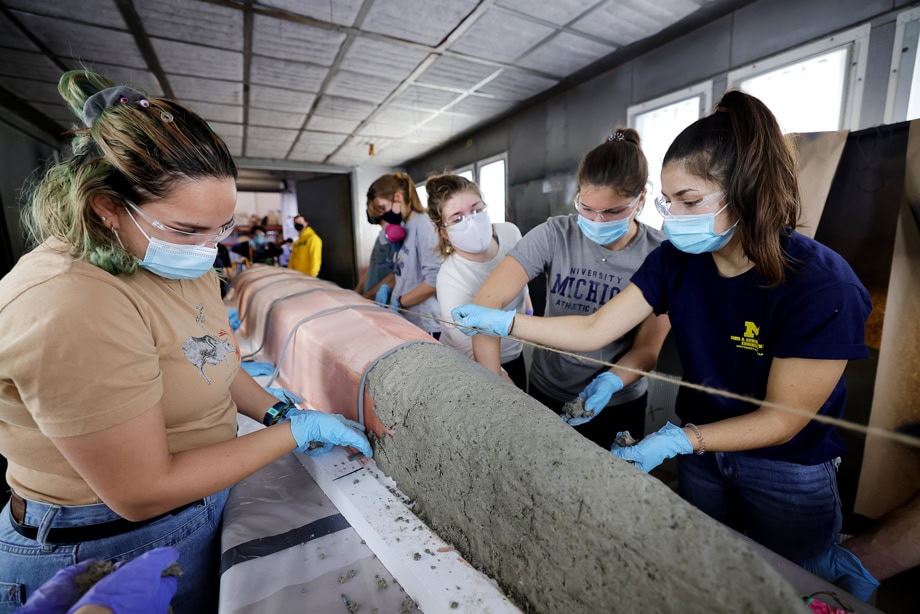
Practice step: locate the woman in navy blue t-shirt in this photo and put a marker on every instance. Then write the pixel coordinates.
(757, 309)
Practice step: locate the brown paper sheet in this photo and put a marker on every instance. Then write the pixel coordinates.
(819, 154)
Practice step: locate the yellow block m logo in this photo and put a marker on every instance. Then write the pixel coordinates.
(751, 330)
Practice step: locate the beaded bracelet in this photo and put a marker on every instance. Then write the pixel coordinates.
(699, 436)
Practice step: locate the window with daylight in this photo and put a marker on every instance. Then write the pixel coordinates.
(658, 121)
(828, 74)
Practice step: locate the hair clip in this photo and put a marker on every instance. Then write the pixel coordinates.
(616, 136)
(144, 102)
(166, 116)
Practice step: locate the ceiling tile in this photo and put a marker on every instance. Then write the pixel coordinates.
(481, 106)
(457, 73)
(138, 78)
(277, 38)
(98, 12)
(516, 85)
(207, 90)
(13, 37)
(261, 148)
(59, 113)
(564, 54)
(420, 21)
(272, 134)
(342, 12)
(265, 97)
(501, 36)
(394, 122)
(316, 146)
(188, 59)
(234, 144)
(216, 112)
(419, 97)
(290, 75)
(278, 119)
(332, 124)
(345, 108)
(362, 87)
(355, 152)
(81, 42)
(227, 130)
(626, 21)
(16, 63)
(375, 57)
(198, 22)
(559, 12)
(32, 91)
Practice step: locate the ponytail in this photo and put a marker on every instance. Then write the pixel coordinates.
(741, 148)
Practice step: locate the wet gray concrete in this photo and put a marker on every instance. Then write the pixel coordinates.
(562, 525)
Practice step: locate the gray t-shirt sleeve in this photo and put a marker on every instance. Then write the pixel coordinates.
(534, 252)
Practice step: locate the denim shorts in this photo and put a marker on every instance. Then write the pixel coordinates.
(26, 564)
(794, 510)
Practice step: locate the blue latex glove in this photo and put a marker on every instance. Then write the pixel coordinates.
(258, 368)
(841, 567)
(383, 295)
(308, 425)
(137, 586)
(490, 321)
(666, 442)
(283, 394)
(57, 594)
(234, 316)
(596, 395)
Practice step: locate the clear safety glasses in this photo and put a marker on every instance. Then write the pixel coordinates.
(603, 215)
(459, 221)
(184, 237)
(694, 206)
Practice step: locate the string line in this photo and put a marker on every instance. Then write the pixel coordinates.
(838, 422)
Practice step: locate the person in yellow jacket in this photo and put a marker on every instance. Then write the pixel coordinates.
(307, 251)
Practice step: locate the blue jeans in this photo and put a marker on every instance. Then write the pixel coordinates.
(26, 564)
(794, 510)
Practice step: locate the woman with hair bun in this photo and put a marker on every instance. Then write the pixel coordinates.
(393, 198)
(758, 310)
(472, 247)
(120, 380)
(588, 257)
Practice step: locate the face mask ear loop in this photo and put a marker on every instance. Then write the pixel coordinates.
(136, 224)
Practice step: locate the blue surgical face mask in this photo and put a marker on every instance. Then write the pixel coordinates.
(604, 233)
(258, 239)
(695, 234)
(174, 261)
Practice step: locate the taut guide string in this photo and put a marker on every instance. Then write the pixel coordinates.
(843, 424)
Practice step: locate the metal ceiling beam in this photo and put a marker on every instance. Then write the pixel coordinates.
(262, 164)
(455, 34)
(343, 49)
(136, 28)
(26, 118)
(247, 67)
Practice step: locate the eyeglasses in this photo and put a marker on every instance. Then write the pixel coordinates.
(182, 236)
(686, 207)
(604, 214)
(458, 221)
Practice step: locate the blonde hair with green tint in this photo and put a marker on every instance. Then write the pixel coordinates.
(131, 152)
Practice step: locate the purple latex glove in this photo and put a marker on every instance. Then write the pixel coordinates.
(310, 426)
(137, 587)
(57, 594)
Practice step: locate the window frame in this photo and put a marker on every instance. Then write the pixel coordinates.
(704, 90)
(903, 64)
(857, 58)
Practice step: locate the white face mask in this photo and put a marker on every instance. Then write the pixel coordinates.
(473, 235)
